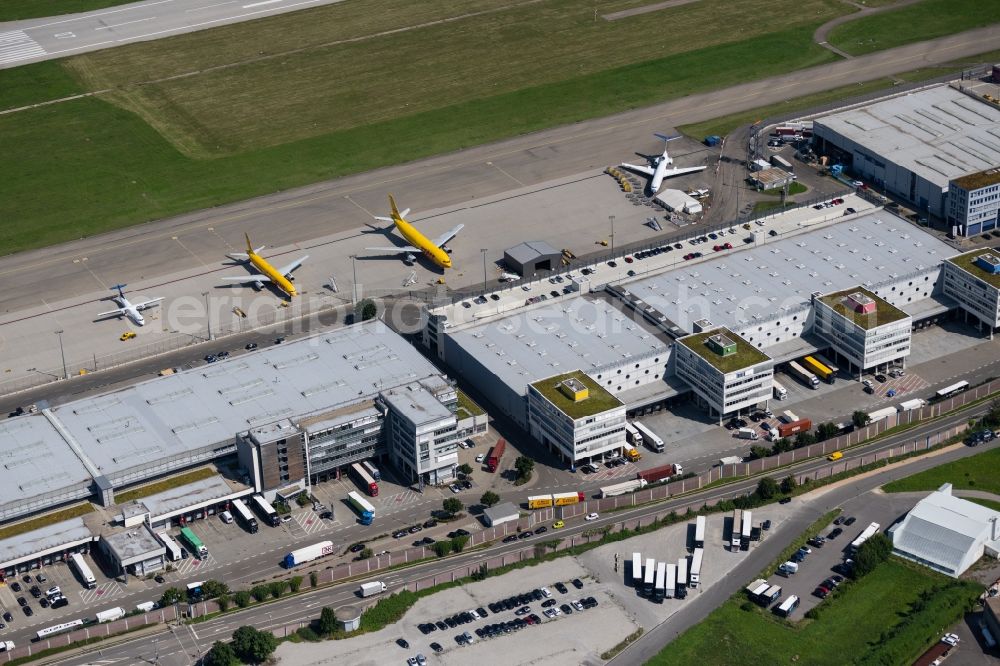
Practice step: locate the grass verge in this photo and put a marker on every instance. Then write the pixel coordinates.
(165, 484)
(613, 652)
(918, 22)
(978, 472)
(467, 406)
(18, 10)
(38, 522)
(765, 206)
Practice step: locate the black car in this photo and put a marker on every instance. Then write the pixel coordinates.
(562, 588)
(525, 534)
(222, 354)
(441, 625)
(589, 602)
(766, 525)
(21, 601)
(524, 599)
(26, 578)
(326, 515)
(251, 346)
(834, 533)
(542, 529)
(15, 586)
(430, 523)
(7, 616)
(458, 533)
(210, 358)
(466, 484)
(510, 538)
(59, 602)
(537, 594)
(482, 612)
(401, 642)
(27, 611)
(565, 608)
(160, 579)
(357, 548)
(43, 602)
(784, 500)
(577, 583)
(450, 621)
(399, 534)
(426, 541)
(415, 529)
(495, 607)
(839, 520)
(424, 628)
(850, 521)
(278, 341)
(437, 647)
(548, 603)
(35, 592)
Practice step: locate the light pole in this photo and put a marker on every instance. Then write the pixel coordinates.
(62, 353)
(484, 250)
(208, 314)
(354, 286)
(612, 218)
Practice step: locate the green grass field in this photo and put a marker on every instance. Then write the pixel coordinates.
(978, 472)
(879, 620)
(82, 167)
(924, 20)
(16, 10)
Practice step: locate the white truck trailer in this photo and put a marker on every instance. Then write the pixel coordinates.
(695, 574)
(699, 532)
(623, 488)
(110, 615)
(372, 588)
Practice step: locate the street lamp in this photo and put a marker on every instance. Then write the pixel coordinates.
(354, 286)
(62, 353)
(612, 218)
(208, 314)
(484, 250)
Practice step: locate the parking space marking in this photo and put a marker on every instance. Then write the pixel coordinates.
(628, 469)
(104, 591)
(310, 522)
(398, 500)
(192, 564)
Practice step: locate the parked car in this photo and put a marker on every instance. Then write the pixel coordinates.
(592, 516)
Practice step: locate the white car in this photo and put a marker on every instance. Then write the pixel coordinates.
(481, 457)
(577, 605)
(545, 592)
(592, 516)
(455, 489)
(950, 639)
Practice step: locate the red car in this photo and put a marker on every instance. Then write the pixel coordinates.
(728, 246)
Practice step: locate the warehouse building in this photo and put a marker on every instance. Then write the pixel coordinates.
(946, 533)
(268, 402)
(725, 371)
(974, 202)
(863, 328)
(913, 146)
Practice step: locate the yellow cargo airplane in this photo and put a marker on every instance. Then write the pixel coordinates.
(279, 277)
(432, 249)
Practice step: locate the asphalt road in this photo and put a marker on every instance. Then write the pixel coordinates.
(38, 278)
(34, 40)
(185, 642)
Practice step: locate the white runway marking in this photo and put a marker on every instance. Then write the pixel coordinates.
(16, 45)
(258, 4)
(118, 25)
(198, 9)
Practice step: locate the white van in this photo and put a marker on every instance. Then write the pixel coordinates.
(226, 517)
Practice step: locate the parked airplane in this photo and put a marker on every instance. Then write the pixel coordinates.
(279, 277)
(434, 250)
(130, 310)
(509, 277)
(660, 167)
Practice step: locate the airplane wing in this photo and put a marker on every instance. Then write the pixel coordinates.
(670, 173)
(119, 311)
(394, 249)
(248, 279)
(286, 270)
(641, 169)
(146, 304)
(443, 239)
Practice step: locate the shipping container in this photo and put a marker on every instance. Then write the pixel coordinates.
(495, 455)
(660, 473)
(695, 573)
(789, 429)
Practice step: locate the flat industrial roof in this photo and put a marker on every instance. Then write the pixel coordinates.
(44, 538)
(35, 460)
(938, 133)
(599, 399)
(574, 334)
(417, 404)
(778, 278)
(745, 356)
(967, 262)
(885, 312)
(184, 496)
(168, 416)
(133, 542)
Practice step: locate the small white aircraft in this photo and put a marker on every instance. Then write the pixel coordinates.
(130, 310)
(509, 277)
(661, 166)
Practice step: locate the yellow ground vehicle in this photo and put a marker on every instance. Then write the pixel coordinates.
(127, 335)
(558, 525)
(633, 455)
(836, 455)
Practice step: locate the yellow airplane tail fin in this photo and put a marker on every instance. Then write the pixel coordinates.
(249, 246)
(392, 205)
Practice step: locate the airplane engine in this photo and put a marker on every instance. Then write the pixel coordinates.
(258, 285)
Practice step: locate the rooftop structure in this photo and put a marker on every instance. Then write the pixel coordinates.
(724, 350)
(863, 307)
(596, 401)
(980, 264)
(938, 133)
(182, 497)
(946, 533)
(975, 181)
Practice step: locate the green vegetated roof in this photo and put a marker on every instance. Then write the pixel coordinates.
(974, 181)
(967, 262)
(885, 312)
(746, 354)
(599, 400)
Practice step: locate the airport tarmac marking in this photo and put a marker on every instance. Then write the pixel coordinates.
(506, 173)
(188, 250)
(118, 25)
(219, 4)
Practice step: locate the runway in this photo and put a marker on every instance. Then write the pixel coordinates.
(34, 40)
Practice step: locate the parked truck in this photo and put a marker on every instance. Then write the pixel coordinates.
(308, 554)
(789, 429)
(6, 646)
(880, 414)
(372, 588)
(747, 433)
(694, 577)
(660, 473)
(788, 568)
(110, 615)
(623, 488)
(699, 532)
(803, 375)
(730, 460)
(908, 405)
(495, 454)
(633, 455)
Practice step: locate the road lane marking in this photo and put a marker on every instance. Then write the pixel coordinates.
(258, 4)
(118, 25)
(219, 4)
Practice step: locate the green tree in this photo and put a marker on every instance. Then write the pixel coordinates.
(825, 431)
(489, 498)
(767, 488)
(223, 600)
(481, 573)
(757, 452)
(213, 588)
(524, 466)
(253, 646)
(277, 588)
(171, 596)
(860, 418)
(242, 598)
(465, 468)
(872, 552)
(260, 592)
(788, 484)
(442, 548)
(366, 554)
(458, 543)
(313, 579)
(782, 445)
(295, 583)
(804, 439)
(327, 621)
(303, 498)
(366, 309)
(221, 654)
(453, 505)
(992, 417)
